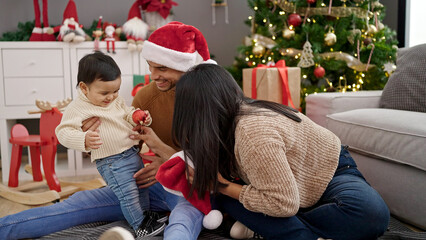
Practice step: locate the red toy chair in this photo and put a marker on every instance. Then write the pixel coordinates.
(46, 144)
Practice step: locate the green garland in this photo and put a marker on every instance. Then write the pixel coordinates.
(22, 34)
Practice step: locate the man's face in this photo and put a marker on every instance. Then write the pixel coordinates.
(165, 78)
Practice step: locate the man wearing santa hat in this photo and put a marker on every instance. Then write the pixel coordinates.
(170, 51)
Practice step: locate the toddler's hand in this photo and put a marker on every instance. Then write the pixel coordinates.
(142, 117)
(148, 119)
(92, 140)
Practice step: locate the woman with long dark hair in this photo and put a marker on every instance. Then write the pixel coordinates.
(298, 182)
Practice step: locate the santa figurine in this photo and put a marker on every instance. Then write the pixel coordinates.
(97, 34)
(39, 33)
(110, 36)
(134, 28)
(70, 30)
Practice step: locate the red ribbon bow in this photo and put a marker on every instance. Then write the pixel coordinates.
(283, 73)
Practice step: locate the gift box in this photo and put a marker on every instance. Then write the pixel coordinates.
(139, 81)
(269, 84)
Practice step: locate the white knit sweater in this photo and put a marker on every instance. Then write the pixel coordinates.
(115, 129)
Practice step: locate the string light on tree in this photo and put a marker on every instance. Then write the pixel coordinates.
(341, 35)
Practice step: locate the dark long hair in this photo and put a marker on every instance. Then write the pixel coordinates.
(208, 100)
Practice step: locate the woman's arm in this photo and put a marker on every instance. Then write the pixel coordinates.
(153, 142)
(146, 176)
(228, 188)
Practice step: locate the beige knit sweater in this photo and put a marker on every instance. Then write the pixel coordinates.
(115, 129)
(287, 165)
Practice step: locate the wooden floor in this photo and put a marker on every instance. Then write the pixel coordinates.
(8, 207)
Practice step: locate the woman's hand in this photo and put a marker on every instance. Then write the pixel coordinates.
(229, 188)
(146, 176)
(222, 180)
(153, 142)
(92, 123)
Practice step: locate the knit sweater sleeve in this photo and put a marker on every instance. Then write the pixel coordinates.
(129, 110)
(69, 132)
(272, 187)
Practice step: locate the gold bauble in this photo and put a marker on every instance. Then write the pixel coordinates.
(258, 50)
(371, 29)
(287, 33)
(330, 39)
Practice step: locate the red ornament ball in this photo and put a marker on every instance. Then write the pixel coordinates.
(294, 19)
(319, 72)
(139, 116)
(311, 1)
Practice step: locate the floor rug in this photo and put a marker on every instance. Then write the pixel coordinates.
(396, 231)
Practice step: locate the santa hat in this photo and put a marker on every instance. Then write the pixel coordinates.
(172, 177)
(99, 26)
(134, 27)
(134, 11)
(71, 11)
(177, 46)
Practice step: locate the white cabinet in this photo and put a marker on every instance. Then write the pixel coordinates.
(48, 71)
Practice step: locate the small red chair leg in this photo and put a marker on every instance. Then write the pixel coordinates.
(15, 164)
(48, 154)
(35, 163)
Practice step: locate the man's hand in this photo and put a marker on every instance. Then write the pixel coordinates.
(146, 176)
(92, 140)
(92, 123)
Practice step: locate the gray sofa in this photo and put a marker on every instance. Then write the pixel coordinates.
(386, 133)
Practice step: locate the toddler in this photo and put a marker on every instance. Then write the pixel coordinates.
(116, 155)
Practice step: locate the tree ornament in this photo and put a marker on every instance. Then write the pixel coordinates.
(306, 58)
(258, 50)
(294, 20)
(353, 34)
(288, 33)
(319, 72)
(330, 39)
(380, 26)
(371, 29)
(311, 1)
(389, 67)
(367, 41)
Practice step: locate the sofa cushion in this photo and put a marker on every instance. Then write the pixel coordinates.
(393, 135)
(406, 87)
(320, 104)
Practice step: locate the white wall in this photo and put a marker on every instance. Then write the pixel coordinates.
(415, 30)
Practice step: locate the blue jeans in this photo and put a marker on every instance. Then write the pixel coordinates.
(348, 209)
(185, 221)
(117, 171)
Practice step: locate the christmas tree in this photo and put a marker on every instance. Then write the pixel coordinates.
(340, 45)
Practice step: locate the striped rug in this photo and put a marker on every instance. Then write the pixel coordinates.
(92, 231)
